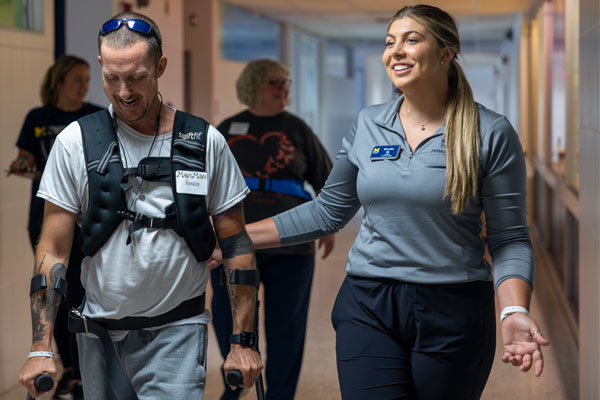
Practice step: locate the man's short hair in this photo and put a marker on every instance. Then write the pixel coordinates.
(124, 37)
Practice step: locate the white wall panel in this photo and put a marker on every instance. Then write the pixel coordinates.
(24, 58)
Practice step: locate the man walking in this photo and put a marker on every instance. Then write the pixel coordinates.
(142, 180)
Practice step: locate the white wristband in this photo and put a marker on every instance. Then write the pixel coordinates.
(511, 310)
(32, 354)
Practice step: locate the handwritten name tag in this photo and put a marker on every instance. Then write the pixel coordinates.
(191, 182)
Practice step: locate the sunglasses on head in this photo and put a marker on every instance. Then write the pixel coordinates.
(136, 25)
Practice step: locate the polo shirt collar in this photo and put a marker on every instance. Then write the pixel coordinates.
(385, 118)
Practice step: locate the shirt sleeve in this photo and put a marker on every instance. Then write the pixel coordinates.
(59, 183)
(226, 183)
(331, 210)
(503, 194)
(26, 139)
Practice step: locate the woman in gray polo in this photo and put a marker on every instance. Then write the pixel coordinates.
(415, 316)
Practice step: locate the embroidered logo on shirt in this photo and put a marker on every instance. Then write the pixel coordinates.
(442, 148)
(391, 152)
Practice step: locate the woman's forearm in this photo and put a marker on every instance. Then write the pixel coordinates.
(264, 234)
(514, 292)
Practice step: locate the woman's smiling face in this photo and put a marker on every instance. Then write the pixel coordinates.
(411, 55)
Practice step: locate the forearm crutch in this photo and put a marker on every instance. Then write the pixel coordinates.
(247, 277)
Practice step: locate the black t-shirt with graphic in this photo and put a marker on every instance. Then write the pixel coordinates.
(38, 133)
(278, 147)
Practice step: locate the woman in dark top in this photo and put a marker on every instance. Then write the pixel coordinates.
(63, 92)
(278, 153)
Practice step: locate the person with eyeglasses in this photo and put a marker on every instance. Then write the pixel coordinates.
(278, 154)
(142, 179)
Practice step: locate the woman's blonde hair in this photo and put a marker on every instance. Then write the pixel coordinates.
(253, 77)
(55, 76)
(462, 119)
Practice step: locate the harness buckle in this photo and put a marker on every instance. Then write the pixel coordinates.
(127, 215)
(80, 315)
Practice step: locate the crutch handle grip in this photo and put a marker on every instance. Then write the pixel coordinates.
(234, 378)
(43, 383)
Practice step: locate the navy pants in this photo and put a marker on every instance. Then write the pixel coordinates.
(287, 280)
(397, 340)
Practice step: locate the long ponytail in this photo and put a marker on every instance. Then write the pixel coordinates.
(462, 141)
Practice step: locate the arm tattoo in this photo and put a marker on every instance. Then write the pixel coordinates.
(236, 245)
(44, 305)
(37, 269)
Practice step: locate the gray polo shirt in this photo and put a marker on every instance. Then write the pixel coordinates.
(408, 232)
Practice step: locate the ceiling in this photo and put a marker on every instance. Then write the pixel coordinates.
(366, 20)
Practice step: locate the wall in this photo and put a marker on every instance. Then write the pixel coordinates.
(589, 195)
(83, 19)
(337, 112)
(512, 99)
(200, 42)
(24, 58)
(225, 102)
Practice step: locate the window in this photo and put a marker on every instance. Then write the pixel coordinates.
(338, 60)
(306, 78)
(572, 89)
(246, 36)
(22, 14)
(558, 142)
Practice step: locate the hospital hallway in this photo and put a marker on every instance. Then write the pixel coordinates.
(318, 378)
(535, 62)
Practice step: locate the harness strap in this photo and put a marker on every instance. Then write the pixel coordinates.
(117, 376)
(154, 223)
(141, 221)
(106, 158)
(156, 169)
(292, 187)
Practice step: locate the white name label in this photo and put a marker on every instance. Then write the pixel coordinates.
(239, 128)
(191, 182)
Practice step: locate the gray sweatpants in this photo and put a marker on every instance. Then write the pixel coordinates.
(168, 363)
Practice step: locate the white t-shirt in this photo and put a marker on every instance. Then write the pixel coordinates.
(157, 271)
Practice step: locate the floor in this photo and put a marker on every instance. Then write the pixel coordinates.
(318, 379)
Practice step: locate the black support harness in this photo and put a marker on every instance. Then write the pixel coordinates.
(108, 182)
